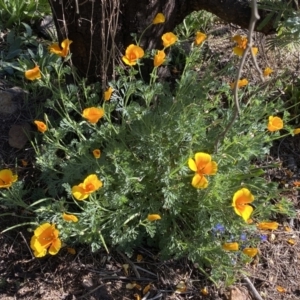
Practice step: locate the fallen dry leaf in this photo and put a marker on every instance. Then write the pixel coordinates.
(146, 288)
(126, 268)
(291, 241)
(139, 258)
(180, 287)
(239, 294)
(130, 286)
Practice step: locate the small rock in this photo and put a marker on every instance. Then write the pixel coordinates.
(7, 106)
(19, 135)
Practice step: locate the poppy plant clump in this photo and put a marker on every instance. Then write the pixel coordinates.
(63, 50)
(45, 239)
(132, 54)
(240, 203)
(90, 185)
(202, 165)
(7, 178)
(33, 74)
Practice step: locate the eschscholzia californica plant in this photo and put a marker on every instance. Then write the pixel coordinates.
(153, 217)
(242, 42)
(87, 187)
(267, 71)
(251, 252)
(241, 83)
(33, 74)
(93, 114)
(107, 93)
(159, 18)
(132, 54)
(275, 123)
(70, 218)
(41, 126)
(202, 165)
(63, 50)
(97, 153)
(240, 203)
(200, 38)
(45, 239)
(7, 178)
(169, 38)
(230, 246)
(159, 58)
(267, 225)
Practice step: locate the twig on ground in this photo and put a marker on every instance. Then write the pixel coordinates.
(252, 288)
(254, 18)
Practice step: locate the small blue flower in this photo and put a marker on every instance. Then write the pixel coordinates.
(263, 237)
(243, 237)
(219, 228)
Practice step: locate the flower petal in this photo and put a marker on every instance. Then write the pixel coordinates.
(55, 247)
(79, 193)
(199, 182)
(192, 165)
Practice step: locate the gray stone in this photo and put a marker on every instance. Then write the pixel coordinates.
(7, 105)
(19, 135)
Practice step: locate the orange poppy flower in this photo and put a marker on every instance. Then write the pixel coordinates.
(132, 54)
(87, 187)
(231, 246)
(159, 18)
(41, 126)
(153, 217)
(64, 50)
(267, 225)
(97, 153)
(33, 74)
(241, 83)
(169, 39)
(267, 71)
(275, 123)
(93, 114)
(159, 58)
(200, 38)
(202, 165)
(45, 237)
(240, 203)
(7, 178)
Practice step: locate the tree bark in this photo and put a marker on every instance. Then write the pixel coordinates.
(101, 29)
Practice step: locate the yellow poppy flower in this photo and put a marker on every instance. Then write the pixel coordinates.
(34, 73)
(250, 251)
(231, 246)
(242, 42)
(200, 38)
(241, 83)
(169, 39)
(7, 178)
(159, 58)
(45, 239)
(267, 71)
(240, 203)
(296, 131)
(275, 123)
(107, 93)
(89, 186)
(97, 153)
(93, 114)
(159, 18)
(132, 54)
(267, 225)
(202, 165)
(70, 218)
(41, 126)
(64, 50)
(153, 217)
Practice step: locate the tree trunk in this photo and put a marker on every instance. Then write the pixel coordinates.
(101, 29)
